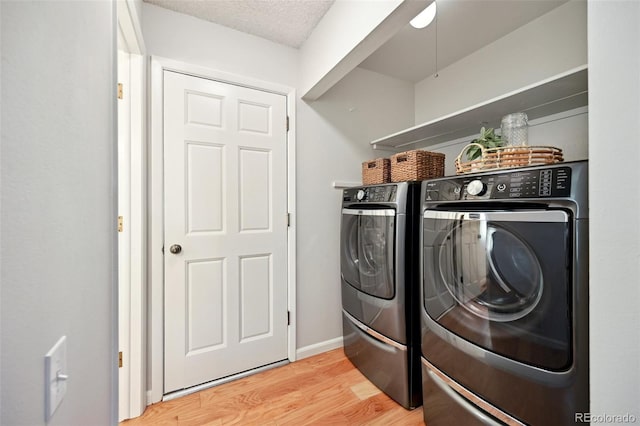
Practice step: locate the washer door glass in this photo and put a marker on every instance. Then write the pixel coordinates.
(490, 271)
(368, 251)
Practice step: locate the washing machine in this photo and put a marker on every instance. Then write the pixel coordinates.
(504, 297)
(380, 286)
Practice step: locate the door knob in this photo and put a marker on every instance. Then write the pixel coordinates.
(175, 249)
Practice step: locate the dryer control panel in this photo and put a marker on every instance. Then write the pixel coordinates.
(531, 183)
(370, 194)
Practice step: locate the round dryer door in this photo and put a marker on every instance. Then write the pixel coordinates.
(501, 280)
(490, 271)
(368, 251)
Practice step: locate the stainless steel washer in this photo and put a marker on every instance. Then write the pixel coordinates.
(379, 241)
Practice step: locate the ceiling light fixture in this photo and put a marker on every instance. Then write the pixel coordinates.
(425, 17)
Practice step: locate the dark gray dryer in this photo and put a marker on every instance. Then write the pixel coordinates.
(379, 239)
(504, 307)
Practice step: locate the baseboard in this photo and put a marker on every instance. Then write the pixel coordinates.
(318, 348)
(150, 398)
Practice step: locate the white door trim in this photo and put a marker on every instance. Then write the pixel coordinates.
(156, 228)
(129, 22)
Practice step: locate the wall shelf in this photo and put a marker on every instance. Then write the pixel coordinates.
(345, 184)
(559, 93)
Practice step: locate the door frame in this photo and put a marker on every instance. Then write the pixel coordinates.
(156, 208)
(135, 189)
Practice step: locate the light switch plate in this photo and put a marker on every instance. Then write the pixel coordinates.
(55, 373)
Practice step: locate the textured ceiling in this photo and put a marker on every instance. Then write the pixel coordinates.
(464, 26)
(288, 22)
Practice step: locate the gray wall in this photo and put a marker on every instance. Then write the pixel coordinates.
(58, 208)
(614, 156)
(334, 133)
(551, 44)
(195, 41)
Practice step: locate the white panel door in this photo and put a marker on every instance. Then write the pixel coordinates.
(225, 206)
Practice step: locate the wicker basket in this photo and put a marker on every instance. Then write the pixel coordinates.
(376, 171)
(416, 165)
(507, 157)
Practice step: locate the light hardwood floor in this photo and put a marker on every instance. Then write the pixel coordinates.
(322, 390)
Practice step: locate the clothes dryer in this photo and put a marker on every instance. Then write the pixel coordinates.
(379, 280)
(504, 297)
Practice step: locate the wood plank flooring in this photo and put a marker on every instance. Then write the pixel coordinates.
(322, 390)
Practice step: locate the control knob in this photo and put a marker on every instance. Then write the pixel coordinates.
(476, 187)
(360, 195)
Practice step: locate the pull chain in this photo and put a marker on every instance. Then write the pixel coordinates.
(436, 74)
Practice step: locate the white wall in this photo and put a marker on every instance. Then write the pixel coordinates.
(614, 152)
(549, 45)
(58, 236)
(184, 38)
(349, 32)
(342, 28)
(334, 133)
(137, 5)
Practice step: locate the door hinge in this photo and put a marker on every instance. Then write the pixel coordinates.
(120, 224)
(288, 220)
(288, 317)
(120, 91)
(120, 359)
(287, 123)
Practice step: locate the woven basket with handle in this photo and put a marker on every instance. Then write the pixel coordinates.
(507, 157)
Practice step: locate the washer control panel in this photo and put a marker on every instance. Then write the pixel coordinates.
(540, 183)
(370, 194)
